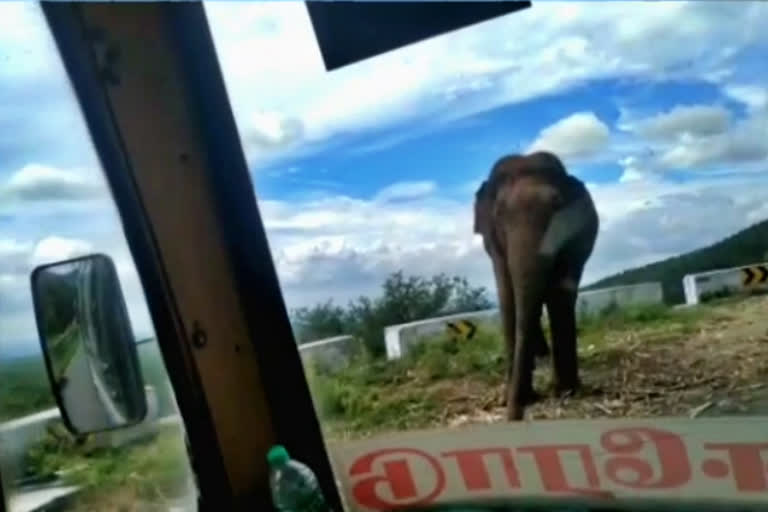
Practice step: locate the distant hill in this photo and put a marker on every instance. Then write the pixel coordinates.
(26, 390)
(747, 246)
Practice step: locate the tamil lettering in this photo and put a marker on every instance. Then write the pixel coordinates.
(632, 461)
(553, 474)
(747, 465)
(472, 465)
(627, 468)
(396, 477)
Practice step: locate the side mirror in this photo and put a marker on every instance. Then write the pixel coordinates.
(89, 348)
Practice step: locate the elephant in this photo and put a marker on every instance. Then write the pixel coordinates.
(539, 226)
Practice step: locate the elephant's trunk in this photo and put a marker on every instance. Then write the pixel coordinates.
(528, 270)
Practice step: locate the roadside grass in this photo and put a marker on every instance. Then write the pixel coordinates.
(603, 337)
(142, 476)
(394, 394)
(145, 475)
(444, 377)
(152, 472)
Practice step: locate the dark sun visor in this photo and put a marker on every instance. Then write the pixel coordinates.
(348, 32)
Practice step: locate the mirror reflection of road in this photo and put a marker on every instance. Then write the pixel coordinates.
(86, 394)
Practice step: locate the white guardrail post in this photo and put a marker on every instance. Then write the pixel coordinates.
(727, 281)
(332, 353)
(399, 338)
(594, 302)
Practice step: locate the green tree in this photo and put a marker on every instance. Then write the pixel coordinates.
(323, 320)
(467, 297)
(403, 299)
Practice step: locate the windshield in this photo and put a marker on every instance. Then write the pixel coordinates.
(409, 294)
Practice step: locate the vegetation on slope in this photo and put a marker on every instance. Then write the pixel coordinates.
(147, 475)
(649, 361)
(640, 362)
(25, 388)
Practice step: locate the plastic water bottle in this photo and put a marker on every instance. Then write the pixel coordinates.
(294, 486)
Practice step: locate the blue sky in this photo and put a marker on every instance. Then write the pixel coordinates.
(462, 151)
(662, 108)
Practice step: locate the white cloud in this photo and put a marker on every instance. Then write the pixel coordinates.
(704, 138)
(270, 130)
(284, 100)
(340, 248)
(684, 120)
(18, 259)
(745, 143)
(632, 169)
(581, 134)
(343, 247)
(692, 153)
(557, 46)
(406, 190)
(646, 221)
(54, 248)
(35, 182)
(755, 97)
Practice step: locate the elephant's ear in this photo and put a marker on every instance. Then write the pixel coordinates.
(483, 207)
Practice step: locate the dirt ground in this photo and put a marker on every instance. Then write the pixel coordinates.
(716, 366)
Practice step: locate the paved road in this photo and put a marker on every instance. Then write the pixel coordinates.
(81, 396)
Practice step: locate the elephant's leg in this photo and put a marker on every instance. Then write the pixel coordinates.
(561, 305)
(520, 387)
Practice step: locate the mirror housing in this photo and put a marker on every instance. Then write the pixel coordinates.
(88, 344)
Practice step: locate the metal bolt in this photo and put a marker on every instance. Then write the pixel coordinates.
(199, 336)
